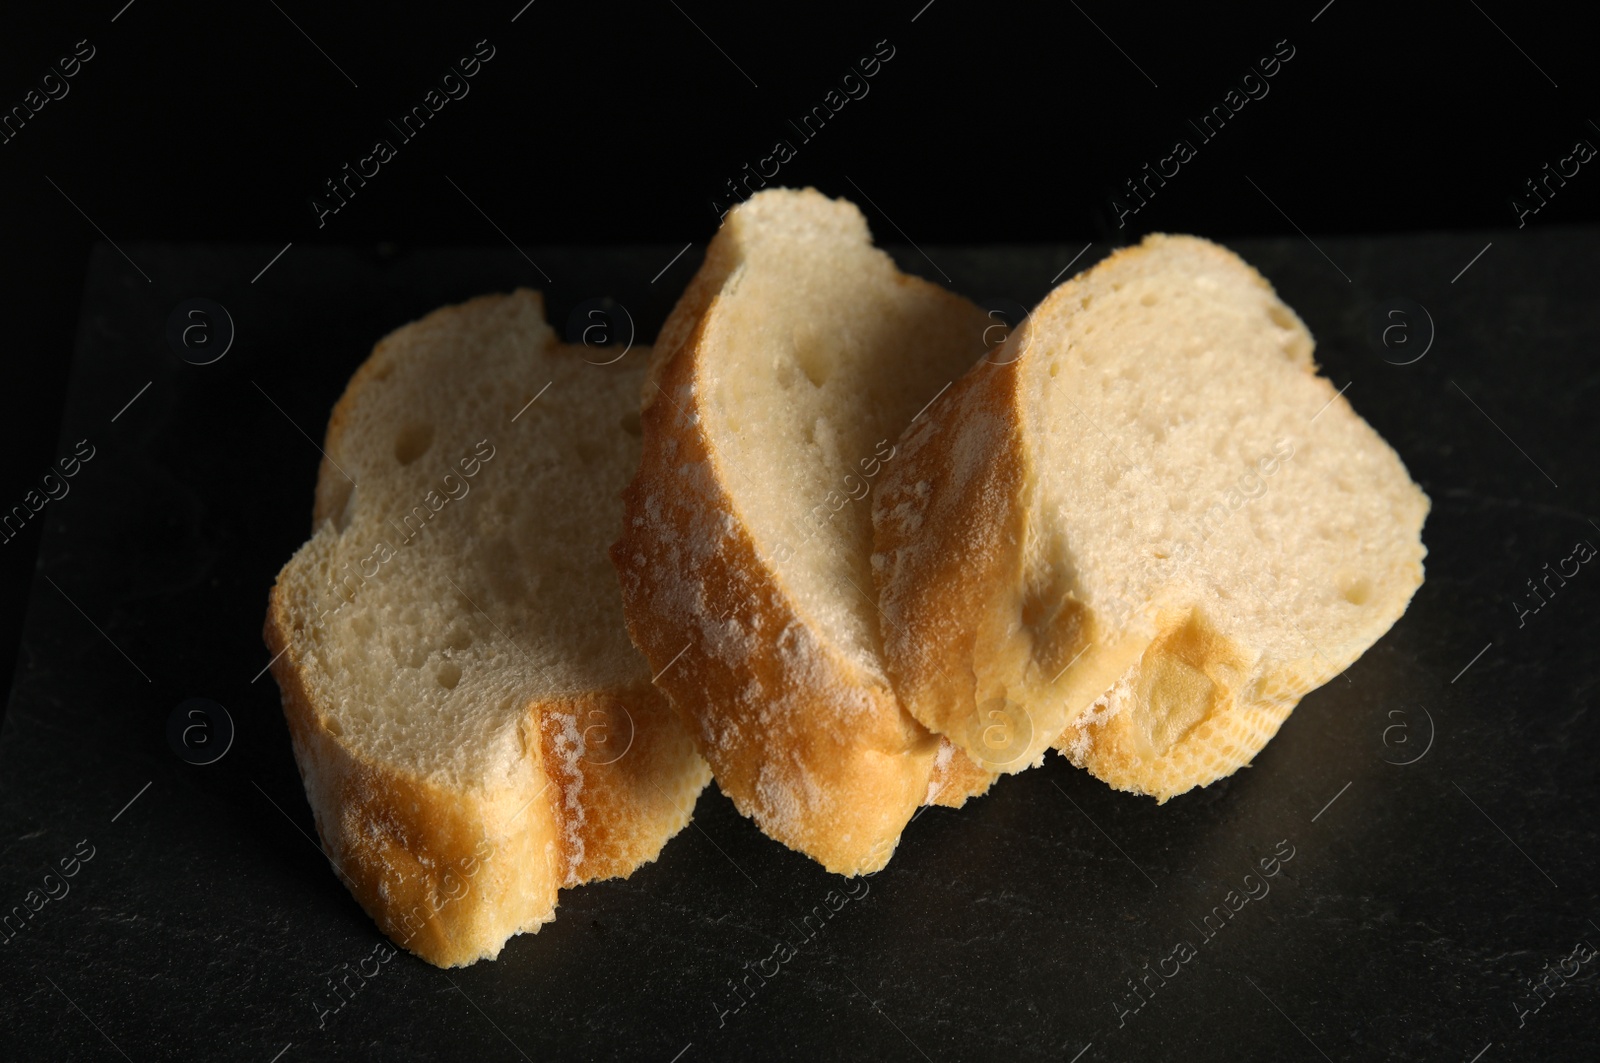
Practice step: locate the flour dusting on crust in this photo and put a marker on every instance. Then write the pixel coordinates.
(1105, 709)
(569, 745)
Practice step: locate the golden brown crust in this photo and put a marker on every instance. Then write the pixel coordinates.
(1219, 746)
(840, 795)
(953, 531)
(429, 866)
(617, 758)
(1211, 727)
(956, 777)
(923, 592)
(451, 878)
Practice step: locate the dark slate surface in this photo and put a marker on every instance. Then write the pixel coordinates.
(1414, 911)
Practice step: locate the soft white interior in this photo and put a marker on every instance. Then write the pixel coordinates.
(819, 352)
(1192, 460)
(505, 595)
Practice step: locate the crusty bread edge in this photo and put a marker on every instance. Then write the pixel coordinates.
(696, 683)
(736, 583)
(996, 691)
(440, 916)
(410, 852)
(931, 601)
(1232, 735)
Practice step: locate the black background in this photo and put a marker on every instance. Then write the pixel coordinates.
(610, 125)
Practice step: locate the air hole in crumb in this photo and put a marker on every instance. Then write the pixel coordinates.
(630, 424)
(1084, 303)
(412, 442)
(1054, 368)
(449, 675)
(786, 375)
(814, 359)
(1281, 317)
(1357, 590)
(341, 502)
(1148, 299)
(458, 638)
(333, 725)
(364, 625)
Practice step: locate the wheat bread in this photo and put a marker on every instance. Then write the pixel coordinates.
(779, 382)
(1142, 530)
(473, 728)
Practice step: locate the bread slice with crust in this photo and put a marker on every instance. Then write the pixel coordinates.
(779, 384)
(473, 728)
(1142, 530)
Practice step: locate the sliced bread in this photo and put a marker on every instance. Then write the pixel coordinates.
(779, 384)
(1142, 530)
(472, 725)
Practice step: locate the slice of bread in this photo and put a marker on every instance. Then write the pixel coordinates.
(473, 728)
(1142, 530)
(779, 384)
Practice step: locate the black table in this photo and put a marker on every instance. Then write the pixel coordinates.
(1435, 802)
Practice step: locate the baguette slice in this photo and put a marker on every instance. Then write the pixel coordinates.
(780, 381)
(473, 728)
(1144, 531)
